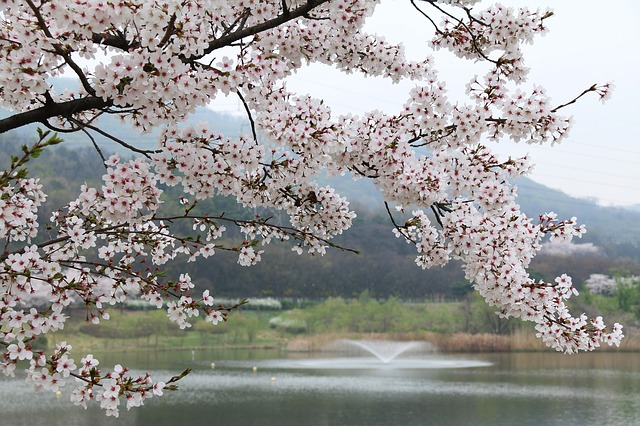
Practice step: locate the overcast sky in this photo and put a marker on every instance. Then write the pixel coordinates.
(589, 42)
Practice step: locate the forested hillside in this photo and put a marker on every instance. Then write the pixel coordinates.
(385, 266)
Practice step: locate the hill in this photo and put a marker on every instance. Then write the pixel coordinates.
(605, 225)
(386, 266)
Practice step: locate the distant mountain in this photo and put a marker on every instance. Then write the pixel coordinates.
(605, 225)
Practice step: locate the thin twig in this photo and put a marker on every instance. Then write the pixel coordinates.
(95, 145)
(574, 100)
(113, 138)
(395, 224)
(423, 13)
(249, 116)
(295, 232)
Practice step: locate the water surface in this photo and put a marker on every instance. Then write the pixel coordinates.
(428, 389)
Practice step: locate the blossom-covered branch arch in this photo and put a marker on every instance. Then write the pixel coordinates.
(162, 60)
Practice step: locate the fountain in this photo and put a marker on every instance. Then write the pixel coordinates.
(387, 350)
(384, 356)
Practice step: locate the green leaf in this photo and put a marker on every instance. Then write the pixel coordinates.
(54, 140)
(42, 133)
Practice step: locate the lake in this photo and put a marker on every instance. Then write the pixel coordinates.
(325, 389)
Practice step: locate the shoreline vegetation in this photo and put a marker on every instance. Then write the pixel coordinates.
(518, 341)
(452, 327)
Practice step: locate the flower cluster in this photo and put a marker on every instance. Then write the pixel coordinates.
(18, 207)
(496, 29)
(114, 386)
(129, 192)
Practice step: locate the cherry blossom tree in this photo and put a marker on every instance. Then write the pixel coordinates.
(155, 62)
(601, 284)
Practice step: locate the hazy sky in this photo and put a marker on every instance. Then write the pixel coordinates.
(589, 42)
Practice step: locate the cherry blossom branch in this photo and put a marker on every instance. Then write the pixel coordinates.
(474, 39)
(239, 23)
(50, 110)
(441, 135)
(400, 229)
(117, 41)
(298, 234)
(100, 269)
(169, 31)
(57, 240)
(59, 50)
(256, 29)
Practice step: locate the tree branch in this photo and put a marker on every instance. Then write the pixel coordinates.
(399, 228)
(241, 33)
(59, 50)
(43, 113)
(118, 41)
(40, 115)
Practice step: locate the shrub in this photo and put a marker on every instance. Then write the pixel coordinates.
(287, 325)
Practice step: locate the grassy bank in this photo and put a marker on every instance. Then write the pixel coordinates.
(467, 326)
